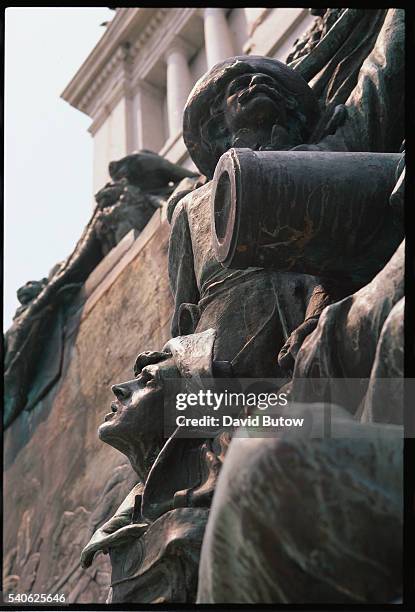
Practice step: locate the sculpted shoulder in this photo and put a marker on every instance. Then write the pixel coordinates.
(191, 203)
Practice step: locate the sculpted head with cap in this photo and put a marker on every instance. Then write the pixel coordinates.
(136, 424)
(247, 101)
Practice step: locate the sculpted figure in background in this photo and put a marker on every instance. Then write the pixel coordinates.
(356, 70)
(155, 536)
(27, 294)
(141, 182)
(358, 73)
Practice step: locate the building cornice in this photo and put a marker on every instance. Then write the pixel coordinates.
(117, 92)
(161, 40)
(112, 49)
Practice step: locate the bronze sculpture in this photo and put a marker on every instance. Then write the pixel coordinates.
(359, 336)
(254, 311)
(259, 309)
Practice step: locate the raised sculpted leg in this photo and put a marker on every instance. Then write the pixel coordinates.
(317, 520)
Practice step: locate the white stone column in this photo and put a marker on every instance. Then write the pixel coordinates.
(218, 40)
(149, 116)
(179, 84)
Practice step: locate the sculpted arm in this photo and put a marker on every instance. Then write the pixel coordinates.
(375, 108)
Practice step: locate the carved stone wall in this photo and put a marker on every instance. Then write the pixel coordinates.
(60, 481)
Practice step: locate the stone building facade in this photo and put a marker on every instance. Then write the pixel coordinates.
(135, 82)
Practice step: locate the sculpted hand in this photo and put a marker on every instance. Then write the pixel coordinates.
(115, 532)
(288, 353)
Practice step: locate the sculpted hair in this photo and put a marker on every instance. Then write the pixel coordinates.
(149, 358)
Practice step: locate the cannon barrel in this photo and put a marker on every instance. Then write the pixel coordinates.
(324, 213)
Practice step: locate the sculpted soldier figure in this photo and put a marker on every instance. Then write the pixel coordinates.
(27, 294)
(245, 101)
(155, 536)
(140, 183)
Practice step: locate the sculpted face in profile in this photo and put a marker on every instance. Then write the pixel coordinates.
(155, 535)
(135, 424)
(30, 290)
(28, 293)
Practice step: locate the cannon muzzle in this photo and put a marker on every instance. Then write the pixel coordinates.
(323, 213)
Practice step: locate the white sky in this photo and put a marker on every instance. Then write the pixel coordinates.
(48, 151)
